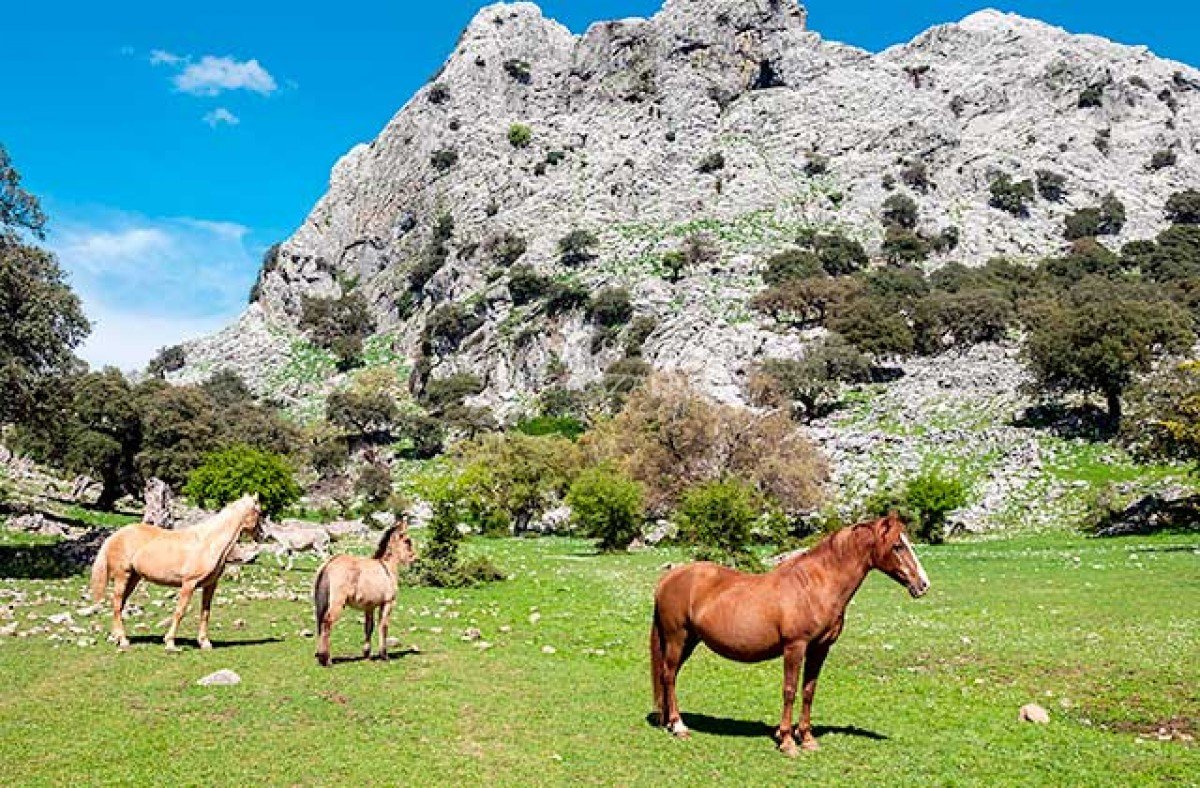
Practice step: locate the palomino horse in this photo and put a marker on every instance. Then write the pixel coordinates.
(291, 540)
(366, 584)
(189, 559)
(797, 610)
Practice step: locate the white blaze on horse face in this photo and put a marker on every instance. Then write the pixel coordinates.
(920, 569)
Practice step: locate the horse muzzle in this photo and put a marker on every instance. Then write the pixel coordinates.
(918, 589)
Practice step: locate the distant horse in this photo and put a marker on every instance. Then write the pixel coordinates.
(366, 584)
(797, 610)
(184, 559)
(290, 540)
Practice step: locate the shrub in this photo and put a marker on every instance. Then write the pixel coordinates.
(168, 359)
(520, 135)
(1051, 185)
(873, 327)
(448, 326)
(607, 506)
(1092, 96)
(899, 210)
(1011, 196)
(712, 162)
(902, 246)
(329, 456)
(791, 265)
(545, 426)
(700, 251)
(1164, 415)
(519, 70)
(674, 263)
(576, 248)
(361, 411)
(960, 320)
(916, 175)
(1184, 207)
(929, 497)
(1162, 159)
(506, 249)
(816, 165)
(374, 484)
(813, 382)
(227, 475)
(638, 332)
(717, 517)
(611, 307)
(1106, 219)
(424, 434)
(807, 302)
(441, 394)
(439, 564)
(946, 241)
(564, 296)
(525, 285)
(561, 402)
(513, 478)
(438, 93)
(839, 255)
(443, 159)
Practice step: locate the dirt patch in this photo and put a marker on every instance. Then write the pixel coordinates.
(1181, 729)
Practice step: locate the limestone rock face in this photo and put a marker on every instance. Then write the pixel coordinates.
(810, 133)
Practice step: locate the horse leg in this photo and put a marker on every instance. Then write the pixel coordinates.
(206, 598)
(793, 655)
(678, 647)
(326, 629)
(812, 671)
(385, 613)
(123, 586)
(185, 598)
(368, 630)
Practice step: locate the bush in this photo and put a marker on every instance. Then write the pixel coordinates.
(438, 93)
(448, 326)
(520, 135)
(929, 497)
(559, 402)
(1106, 219)
(717, 517)
(506, 249)
(1011, 196)
(807, 302)
(1092, 96)
(564, 296)
(816, 165)
(441, 394)
(899, 210)
(510, 479)
(444, 159)
(546, 426)
(873, 327)
(519, 70)
(712, 162)
(575, 248)
(1184, 207)
(839, 255)
(902, 246)
(361, 411)
(611, 307)
(791, 265)
(425, 435)
(227, 475)
(1162, 159)
(525, 285)
(960, 320)
(329, 456)
(674, 263)
(1051, 185)
(607, 506)
(374, 484)
(439, 564)
(339, 325)
(638, 332)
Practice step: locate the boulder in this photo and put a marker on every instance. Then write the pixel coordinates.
(159, 504)
(222, 678)
(1032, 712)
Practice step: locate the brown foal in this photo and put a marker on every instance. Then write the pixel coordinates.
(797, 610)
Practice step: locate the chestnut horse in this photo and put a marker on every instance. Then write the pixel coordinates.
(187, 559)
(797, 610)
(366, 584)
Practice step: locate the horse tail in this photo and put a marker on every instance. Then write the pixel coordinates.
(321, 595)
(99, 579)
(656, 666)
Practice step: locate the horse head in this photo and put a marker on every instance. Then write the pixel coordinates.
(252, 519)
(396, 543)
(893, 555)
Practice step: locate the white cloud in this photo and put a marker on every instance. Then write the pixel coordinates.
(147, 283)
(212, 76)
(221, 116)
(161, 57)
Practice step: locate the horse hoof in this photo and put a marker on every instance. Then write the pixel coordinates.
(206, 645)
(810, 745)
(323, 660)
(123, 645)
(789, 748)
(679, 730)
(171, 648)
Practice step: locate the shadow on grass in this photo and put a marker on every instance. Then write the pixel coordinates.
(753, 729)
(35, 562)
(404, 652)
(193, 643)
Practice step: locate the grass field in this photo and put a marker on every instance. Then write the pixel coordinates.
(1101, 633)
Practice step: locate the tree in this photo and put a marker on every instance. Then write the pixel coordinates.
(103, 434)
(524, 285)
(606, 506)
(929, 497)
(839, 255)
(168, 359)
(231, 473)
(1184, 207)
(812, 382)
(41, 320)
(339, 325)
(19, 210)
(901, 246)
(960, 320)
(611, 307)
(522, 476)
(874, 327)
(362, 411)
(576, 248)
(1106, 219)
(791, 265)
(900, 210)
(1097, 338)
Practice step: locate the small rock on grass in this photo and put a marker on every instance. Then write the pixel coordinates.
(549, 650)
(1031, 712)
(222, 678)
(472, 634)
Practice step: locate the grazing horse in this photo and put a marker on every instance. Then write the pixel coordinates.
(186, 559)
(291, 540)
(366, 584)
(796, 610)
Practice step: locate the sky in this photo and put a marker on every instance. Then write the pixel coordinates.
(171, 144)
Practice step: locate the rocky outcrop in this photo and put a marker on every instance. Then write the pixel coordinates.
(799, 132)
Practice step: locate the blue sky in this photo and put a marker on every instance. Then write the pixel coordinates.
(172, 143)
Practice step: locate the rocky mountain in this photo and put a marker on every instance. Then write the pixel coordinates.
(722, 117)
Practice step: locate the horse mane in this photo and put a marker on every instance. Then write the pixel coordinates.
(838, 544)
(385, 542)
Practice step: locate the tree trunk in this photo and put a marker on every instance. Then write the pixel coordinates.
(1113, 398)
(109, 493)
